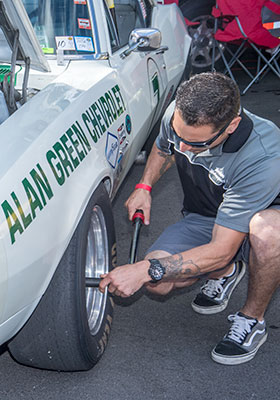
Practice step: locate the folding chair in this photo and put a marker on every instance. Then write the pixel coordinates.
(239, 23)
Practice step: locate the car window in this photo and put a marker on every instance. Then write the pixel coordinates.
(61, 24)
(129, 15)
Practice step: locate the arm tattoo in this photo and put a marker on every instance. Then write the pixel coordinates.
(169, 160)
(176, 268)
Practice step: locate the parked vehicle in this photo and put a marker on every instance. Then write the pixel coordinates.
(82, 86)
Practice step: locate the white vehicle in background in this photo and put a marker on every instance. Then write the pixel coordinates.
(83, 84)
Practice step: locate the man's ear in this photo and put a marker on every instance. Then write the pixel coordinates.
(233, 125)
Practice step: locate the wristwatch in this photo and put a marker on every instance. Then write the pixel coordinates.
(156, 270)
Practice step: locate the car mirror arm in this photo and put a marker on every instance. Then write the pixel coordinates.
(131, 48)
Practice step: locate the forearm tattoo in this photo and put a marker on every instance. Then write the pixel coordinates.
(169, 160)
(176, 268)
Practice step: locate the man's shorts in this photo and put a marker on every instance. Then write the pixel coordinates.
(191, 231)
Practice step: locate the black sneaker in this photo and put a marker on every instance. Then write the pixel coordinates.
(215, 293)
(245, 337)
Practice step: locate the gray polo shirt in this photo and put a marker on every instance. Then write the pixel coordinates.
(233, 180)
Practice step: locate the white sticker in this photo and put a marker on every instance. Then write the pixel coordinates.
(65, 42)
(84, 23)
(84, 43)
(112, 149)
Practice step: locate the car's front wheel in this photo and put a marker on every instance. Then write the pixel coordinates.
(70, 327)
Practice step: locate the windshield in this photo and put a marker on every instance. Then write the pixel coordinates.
(61, 24)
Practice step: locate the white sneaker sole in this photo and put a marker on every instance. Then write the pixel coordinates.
(219, 307)
(235, 360)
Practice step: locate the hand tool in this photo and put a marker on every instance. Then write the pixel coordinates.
(137, 221)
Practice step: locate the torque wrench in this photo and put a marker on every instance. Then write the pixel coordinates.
(137, 220)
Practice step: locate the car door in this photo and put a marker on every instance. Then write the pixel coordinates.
(142, 74)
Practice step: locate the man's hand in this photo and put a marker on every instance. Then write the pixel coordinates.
(139, 199)
(124, 281)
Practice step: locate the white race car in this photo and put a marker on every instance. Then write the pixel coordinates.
(83, 82)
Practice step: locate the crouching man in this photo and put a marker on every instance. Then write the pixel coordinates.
(228, 161)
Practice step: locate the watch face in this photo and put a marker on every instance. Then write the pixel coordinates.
(157, 273)
(156, 270)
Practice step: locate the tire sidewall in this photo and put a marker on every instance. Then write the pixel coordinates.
(94, 346)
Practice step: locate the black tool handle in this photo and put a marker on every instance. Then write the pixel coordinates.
(137, 220)
(93, 282)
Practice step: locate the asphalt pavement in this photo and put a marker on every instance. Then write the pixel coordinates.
(159, 348)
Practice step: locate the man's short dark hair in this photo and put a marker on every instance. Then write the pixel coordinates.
(209, 98)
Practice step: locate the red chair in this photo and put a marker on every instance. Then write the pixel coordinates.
(240, 22)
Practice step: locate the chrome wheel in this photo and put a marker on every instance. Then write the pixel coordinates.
(97, 263)
(202, 44)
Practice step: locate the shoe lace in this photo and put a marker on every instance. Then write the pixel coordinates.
(212, 287)
(240, 327)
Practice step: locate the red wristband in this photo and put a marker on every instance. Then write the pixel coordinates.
(143, 186)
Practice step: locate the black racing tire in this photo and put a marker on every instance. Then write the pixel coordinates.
(202, 34)
(69, 329)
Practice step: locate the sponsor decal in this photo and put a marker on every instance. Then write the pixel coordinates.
(80, 2)
(34, 191)
(84, 23)
(84, 43)
(122, 139)
(112, 149)
(120, 129)
(128, 125)
(65, 42)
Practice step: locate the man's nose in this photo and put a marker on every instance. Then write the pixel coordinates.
(184, 147)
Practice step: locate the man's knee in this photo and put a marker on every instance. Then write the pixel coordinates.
(157, 254)
(264, 233)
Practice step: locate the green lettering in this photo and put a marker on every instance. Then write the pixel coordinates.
(120, 94)
(103, 109)
(118, 100)
(87, 120)
(30, 191)
(81, 137)
(62, 155)
(107, 108)
(42, 183)
(57, 168)
(94, 108)
(111, 104)
(26, 220)
(13, 227)
(64, 139)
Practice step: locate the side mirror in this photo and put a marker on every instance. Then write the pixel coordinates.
(145, 39)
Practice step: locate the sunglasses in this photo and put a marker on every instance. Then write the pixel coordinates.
(207, 143)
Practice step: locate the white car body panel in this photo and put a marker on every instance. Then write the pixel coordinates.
(42, 197)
